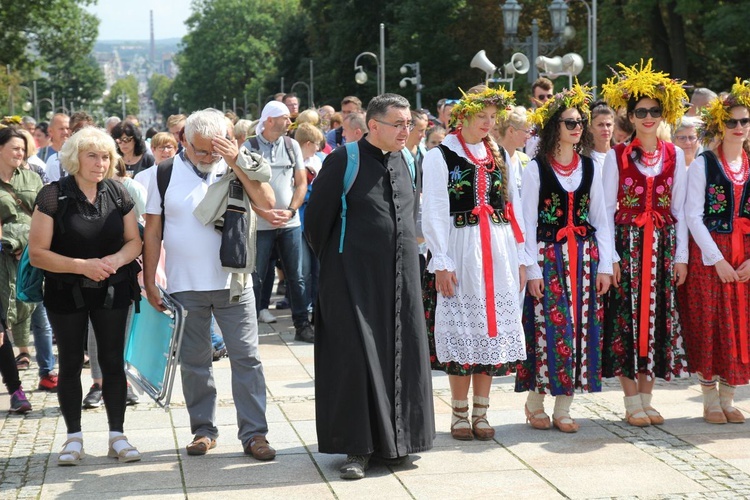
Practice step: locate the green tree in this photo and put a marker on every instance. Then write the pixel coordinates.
(127, 87)
(160, 88)
(232, 46)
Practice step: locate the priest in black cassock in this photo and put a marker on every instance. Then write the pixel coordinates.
(373, 388)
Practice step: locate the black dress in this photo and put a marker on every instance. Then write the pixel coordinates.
(373, 391)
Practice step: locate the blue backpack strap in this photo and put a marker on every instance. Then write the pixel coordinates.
(350, 174)
(412, 167)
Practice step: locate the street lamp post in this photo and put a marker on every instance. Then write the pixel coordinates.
(591, 37)
(124, 99)
(415, 80)
(312, 86)
(307, 87)
(360, 76)
(558, 10)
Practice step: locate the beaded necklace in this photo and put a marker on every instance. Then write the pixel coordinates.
(652, 159)
(564, 170)
(740, 176)
(488, 162)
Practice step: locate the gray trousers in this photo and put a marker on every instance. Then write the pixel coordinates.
(239, 326)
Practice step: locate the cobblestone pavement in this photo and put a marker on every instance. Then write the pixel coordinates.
(682, 459)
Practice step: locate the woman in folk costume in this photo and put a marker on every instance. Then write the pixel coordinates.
(476, 271)
(644, 186)
(715, 302)
(568, 235)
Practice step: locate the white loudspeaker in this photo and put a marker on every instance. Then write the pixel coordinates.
(550, 64)
(572, 63)
(519, 63)
(480, 61)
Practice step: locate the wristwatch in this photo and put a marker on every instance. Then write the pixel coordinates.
(293, 210)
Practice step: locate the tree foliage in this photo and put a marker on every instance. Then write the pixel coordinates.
(127, 87)
(160, 88)
(231, 48)
(51, 42)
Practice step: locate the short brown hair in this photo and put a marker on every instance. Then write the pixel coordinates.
(351, 99)
(542, 82)
(175, 120)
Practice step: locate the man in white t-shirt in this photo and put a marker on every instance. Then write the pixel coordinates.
(196, 279)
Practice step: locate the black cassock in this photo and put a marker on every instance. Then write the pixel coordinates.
(373, 387)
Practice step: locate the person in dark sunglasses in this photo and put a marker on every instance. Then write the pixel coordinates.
(715, 301)
(644, 185)
(568, 232)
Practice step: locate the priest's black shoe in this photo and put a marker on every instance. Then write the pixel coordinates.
(305, 333)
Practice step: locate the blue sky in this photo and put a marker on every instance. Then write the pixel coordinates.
(130, 20)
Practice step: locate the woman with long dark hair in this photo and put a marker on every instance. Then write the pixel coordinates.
(644, 185)
(569, 235)
(132, 148)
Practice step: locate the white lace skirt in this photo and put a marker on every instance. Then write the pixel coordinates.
(461, 331)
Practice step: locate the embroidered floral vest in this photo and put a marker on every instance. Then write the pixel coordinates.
(462, 183)
(553, 208)
(633, 195)
(719, 207)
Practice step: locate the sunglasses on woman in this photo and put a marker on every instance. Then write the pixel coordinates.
(642, 112)
(572, 124)
(732, 122)
(125, 139)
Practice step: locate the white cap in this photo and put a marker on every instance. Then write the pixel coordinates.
(273, 109)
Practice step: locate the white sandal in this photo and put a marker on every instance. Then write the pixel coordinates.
(77, 456)
(122, 456)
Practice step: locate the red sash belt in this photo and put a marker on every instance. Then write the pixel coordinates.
(484, 212)
(648, 220)
(511, 216)
(570, 231)
(740, 229)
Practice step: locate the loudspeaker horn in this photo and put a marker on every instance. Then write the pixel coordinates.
(519, 63)
(572, 63)
(481, 61)
(550, 64)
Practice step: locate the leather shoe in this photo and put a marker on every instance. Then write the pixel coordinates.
(305, 333)
(201, 445)
(259, 448)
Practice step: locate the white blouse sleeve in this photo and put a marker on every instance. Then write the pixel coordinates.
(610, 181)
(530, 196)
(518, 210)
(696, 196)
(598, 218)
(436, 219)
(679, 193)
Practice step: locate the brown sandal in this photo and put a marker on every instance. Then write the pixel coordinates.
(464, 433)
(482, 433)
(259, 448)
(538, 419)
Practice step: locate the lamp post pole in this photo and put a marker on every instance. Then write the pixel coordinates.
(361, 77)
(591, 10)
(312, 86)
(382, 58)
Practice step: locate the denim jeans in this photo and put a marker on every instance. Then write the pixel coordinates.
(288, 242)
(42, 333)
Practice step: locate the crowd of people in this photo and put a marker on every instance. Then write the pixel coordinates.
(567, 243)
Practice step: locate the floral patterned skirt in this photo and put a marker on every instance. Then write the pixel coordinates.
(710, 314)
(666, 356)
(561, 357)
(429, 296)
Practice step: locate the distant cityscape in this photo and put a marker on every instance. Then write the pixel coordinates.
(142, 58)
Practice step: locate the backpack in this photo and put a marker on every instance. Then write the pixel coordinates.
(252, 144)
(30, 279)
(350, 175)
(163, 176)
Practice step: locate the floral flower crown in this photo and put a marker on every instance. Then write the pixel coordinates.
(471, 104)
(715, 115)
(579, 97)
(634, 82)
(11, 120)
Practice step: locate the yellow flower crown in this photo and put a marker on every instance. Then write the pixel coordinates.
(579, 97)
(715, 115)
(471, 104)
(636, 83)
(11, 120)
